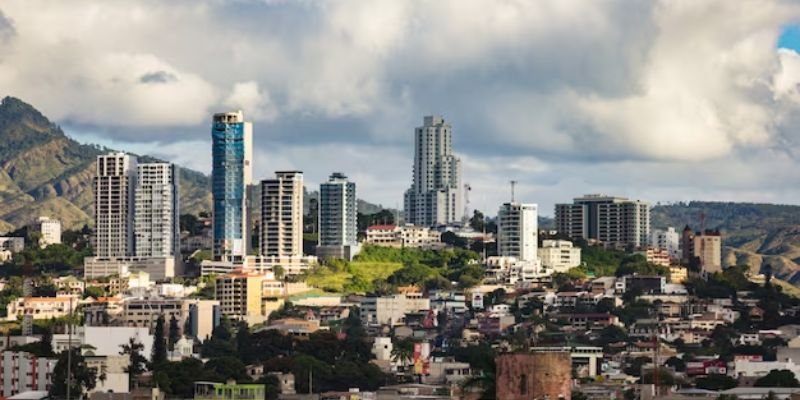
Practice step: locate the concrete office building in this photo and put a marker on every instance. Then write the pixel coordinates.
(114, 188)
(231, 175)
(281, 230)
(338, 227)
(517, 230)
(50, 231)
(156, 213)
(613, 221)
(702, 251)
(667, 239)
(23, 372)
(434, 197)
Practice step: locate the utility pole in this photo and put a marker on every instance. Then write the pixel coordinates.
(69, 350)
(513, 184)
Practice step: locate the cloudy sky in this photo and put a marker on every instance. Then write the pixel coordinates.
(660, 100)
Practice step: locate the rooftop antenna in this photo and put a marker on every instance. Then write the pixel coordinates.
(513, 184)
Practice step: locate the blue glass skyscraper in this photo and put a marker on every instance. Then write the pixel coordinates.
(231, 174)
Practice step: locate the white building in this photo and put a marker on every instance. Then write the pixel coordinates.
(41, 307)
(667, 239)
(50, 231)
(156, 215)
(615, 221)
(104, 340)
(434, 197)
(411, 236)
(516, 231)
(114, 186)
(391, 310)
(559, 255)
(338, 229)
(24, 372)
(158, 268)
(281, 230)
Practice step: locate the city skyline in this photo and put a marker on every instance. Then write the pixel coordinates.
(614, 107)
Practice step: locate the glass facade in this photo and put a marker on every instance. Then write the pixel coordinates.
(228, 187)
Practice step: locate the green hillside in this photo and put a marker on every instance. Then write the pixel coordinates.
(45, 172)
(753, 234)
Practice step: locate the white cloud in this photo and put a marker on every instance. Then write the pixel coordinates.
(255, 102)
(566, 96)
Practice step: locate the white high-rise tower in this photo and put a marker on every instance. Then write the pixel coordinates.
(114, 186)
(517, 230)
(156, 218)
(282, 215)
(338, 227)
(434, 197)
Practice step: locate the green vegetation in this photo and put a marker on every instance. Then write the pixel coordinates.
(380, 269)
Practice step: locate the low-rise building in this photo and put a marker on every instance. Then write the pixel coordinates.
(41, 307)
(12, 244)
(657, 256)
(559, 255)
(49, 231)
(678, 274)
(390, 310)
(403, 236)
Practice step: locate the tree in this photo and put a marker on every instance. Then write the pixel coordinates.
(403, 351)
(159, 357)
(93, 292)
(220, 344)
(716, 382)
(244, 343)
(82, 377)
(174, 332)
(136, 361)
(778, 378)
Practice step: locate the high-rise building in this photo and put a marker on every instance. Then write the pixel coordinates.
(337, 218)
(50, 231)
(156, 215)
(669, 240)
(434, 197)
(281, 228)
(114, 187)
(230, 177)
(702, 250)
(614, 221)
(517, 230)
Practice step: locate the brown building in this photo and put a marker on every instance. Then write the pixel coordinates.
(534, 376)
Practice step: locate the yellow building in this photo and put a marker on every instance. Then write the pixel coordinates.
(240, 296)
(678, 274)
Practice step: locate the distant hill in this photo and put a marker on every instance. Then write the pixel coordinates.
(45, 172)
(753, 234)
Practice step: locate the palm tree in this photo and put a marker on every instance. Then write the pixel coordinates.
(403, 351)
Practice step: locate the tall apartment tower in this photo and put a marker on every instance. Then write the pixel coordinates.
(231, 176)
(615, 221)
(337, 218)
(156, 220)
(434, 197)
(517, 227)
(281, 230)
(114, 187)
